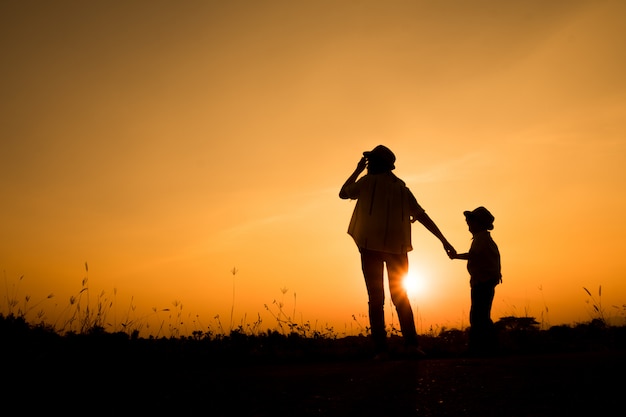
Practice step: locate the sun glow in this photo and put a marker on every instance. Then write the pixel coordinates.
(414, 283)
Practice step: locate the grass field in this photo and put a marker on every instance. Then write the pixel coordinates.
(293, 371)
(562, 371)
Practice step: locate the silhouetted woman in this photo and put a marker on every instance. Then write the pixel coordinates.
(381, 228)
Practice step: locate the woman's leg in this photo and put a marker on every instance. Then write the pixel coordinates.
(397, 269)
(372, 266)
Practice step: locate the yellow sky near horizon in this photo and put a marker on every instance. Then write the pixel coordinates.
(167, 143)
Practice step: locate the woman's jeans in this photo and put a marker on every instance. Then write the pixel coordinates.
(372, 264)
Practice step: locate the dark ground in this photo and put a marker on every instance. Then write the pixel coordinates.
(544, 385)
(561, 372)
(567, 384)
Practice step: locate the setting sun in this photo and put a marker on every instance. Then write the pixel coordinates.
(414, 283)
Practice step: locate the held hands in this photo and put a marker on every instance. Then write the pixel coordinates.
(450, 250)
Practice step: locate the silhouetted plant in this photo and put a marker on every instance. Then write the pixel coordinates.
(517, 323)
(87, 320)
(596, 305)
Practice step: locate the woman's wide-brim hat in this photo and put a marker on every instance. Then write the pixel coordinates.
(381, 154)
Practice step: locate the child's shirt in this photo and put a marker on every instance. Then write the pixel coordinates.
(483, 263)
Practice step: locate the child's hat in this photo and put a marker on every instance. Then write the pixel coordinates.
(481, 216)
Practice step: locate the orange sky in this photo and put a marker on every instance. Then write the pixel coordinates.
(166, 143)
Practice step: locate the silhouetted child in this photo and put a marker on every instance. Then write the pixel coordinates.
(483, 265)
